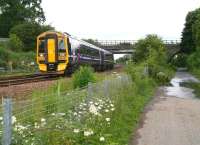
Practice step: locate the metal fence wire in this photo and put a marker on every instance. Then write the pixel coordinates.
(22, 120)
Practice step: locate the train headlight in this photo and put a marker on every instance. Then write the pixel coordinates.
(41, 55)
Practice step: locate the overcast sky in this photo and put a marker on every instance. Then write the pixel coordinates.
(119, 19)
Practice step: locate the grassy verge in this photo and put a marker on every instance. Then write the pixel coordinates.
(76, 118)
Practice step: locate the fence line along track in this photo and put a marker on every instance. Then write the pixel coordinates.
(17, 80)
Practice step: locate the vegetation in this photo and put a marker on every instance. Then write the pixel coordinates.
(77, 118)
(190, 32)
(150, 59)
(83, 76)
(124, 60)
(190, 44)
(14, 12)
(21, 21)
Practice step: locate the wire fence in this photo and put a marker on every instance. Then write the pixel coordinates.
(24, 121)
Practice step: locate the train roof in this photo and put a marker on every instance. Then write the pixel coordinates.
(73, 37)
(88, 44)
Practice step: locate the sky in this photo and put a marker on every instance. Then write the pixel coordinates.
(119, 19)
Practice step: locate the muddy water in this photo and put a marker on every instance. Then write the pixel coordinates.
(176, 90)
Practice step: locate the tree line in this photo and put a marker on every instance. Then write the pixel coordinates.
(22, 21)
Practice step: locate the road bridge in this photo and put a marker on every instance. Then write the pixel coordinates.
(127, 46)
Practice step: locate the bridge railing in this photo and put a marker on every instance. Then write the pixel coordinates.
(129, 42)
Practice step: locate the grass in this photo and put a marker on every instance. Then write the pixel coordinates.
(128, 102)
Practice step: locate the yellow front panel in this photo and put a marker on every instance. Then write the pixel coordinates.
(51, 50)
(42, 67)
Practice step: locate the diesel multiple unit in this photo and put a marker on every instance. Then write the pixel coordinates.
(60, 52)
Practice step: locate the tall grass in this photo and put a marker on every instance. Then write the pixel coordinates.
(83, 76)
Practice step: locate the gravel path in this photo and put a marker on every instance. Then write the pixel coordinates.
(170, 120)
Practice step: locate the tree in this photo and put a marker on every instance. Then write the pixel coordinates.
(188, 43)
(14, 12)
(144, 47)
(28, 32)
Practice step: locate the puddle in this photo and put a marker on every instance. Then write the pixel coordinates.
(179, 91)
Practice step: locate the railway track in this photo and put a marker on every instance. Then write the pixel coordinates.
(17, 80)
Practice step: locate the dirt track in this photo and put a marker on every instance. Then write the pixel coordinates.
(170, 120)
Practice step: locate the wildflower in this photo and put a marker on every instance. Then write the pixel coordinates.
(43, 120)
(106, 110)
(91, 102)
(112, 109)
(96, 104)
(61, 114)
(14, 119)
(53, 114)
(76, 130)
(111, 105)
(88, 133)
(1, 118)
(102, 139)
(107, 119)
(93, 110)
(75, 114)
(36, 125)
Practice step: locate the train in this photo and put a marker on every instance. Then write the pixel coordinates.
(60, 52)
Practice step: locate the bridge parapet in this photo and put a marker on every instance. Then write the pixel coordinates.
(130, 42)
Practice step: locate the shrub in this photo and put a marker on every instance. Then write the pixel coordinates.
(83, 76)
(193, 61)
(144, 47)
(179, 60)
(15, 43)
(4, 57)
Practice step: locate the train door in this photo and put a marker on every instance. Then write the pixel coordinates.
(51, 48)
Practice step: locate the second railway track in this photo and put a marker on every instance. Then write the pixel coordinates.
(17, 80)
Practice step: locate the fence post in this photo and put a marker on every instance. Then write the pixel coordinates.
(7, 121)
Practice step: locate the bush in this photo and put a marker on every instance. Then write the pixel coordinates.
(193, 61)
(83, 76)
(144, 47)
(150, 61)
(15, 43)
(180, 60)
(4, 57)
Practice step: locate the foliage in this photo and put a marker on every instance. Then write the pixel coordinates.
(124, 59)
(28, 32)
(14, 12)
(83, 76)
(15, 43)
(180, 60)
(144, 47)
(190, 34)
(193, 60)
(150, 60)
(4, 57)
(108, 120)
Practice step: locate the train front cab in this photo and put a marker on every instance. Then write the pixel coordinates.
(52, 52)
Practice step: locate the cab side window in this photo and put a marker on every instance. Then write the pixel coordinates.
(61, 45)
